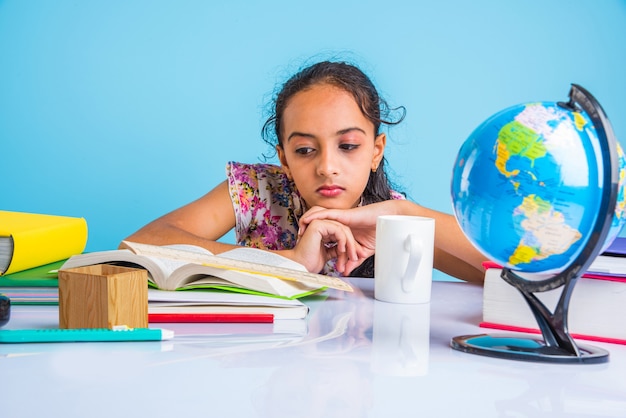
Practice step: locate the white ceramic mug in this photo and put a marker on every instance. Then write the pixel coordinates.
(401, 339)
(403, 268)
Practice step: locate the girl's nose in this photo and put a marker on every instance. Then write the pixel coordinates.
(327, 165)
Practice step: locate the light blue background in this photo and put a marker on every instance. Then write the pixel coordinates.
(122, 111)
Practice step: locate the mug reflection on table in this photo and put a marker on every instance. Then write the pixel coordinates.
(401, 339)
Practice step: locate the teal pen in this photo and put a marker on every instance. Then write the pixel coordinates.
(83, 335)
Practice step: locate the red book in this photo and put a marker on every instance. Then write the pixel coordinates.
(211, 317)
(536, 331)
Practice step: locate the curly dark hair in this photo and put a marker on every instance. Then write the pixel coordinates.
(350, 78)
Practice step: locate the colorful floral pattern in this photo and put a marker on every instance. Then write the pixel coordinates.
(267, 207)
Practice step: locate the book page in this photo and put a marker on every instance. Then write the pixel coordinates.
(198, 276)
(283, 273)
(254, 255)
(170, 264)
(609, 265)
(158, 268)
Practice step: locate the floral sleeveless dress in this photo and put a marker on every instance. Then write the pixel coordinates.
(268, 207)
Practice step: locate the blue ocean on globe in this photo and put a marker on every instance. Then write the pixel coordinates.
(527, 184)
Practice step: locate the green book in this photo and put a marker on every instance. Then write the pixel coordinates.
(42, 276)
(36, 286)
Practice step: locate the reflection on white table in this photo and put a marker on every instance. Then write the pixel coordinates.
(352, 357)
(401, 337)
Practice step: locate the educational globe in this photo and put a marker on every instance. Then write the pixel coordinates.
(527, 185)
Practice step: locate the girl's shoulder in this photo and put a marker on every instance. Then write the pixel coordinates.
(397, 195)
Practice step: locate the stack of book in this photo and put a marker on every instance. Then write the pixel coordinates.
(187, 279)
(36, 286)
(597, 306)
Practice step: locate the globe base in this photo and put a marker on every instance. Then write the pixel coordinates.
(556, 344)
(526, 349)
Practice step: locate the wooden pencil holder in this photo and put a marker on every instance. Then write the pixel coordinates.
(103, 296)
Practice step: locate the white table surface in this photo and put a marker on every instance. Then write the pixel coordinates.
(347, 359)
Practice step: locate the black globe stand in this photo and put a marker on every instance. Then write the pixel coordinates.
(556, 344)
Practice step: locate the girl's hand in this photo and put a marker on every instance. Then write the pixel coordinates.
(361, 221)
(326, 239)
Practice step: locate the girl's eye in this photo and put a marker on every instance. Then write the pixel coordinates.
(348, 147)
(304, 150)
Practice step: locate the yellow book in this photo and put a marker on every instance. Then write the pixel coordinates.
(30, 240)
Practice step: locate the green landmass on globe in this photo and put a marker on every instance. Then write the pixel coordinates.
(526, 187)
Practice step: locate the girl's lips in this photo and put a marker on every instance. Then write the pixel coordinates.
(330, 191)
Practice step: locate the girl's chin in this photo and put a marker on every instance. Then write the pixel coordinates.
(333, 204)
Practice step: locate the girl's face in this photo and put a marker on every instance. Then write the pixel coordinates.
(329, 147)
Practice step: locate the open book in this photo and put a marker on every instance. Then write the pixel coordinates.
(245, 269)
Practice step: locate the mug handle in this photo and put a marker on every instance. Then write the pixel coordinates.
(414, 247)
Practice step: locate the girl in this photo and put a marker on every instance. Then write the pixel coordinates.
(319, 207)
